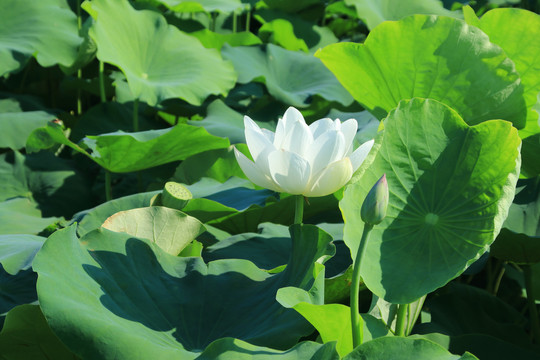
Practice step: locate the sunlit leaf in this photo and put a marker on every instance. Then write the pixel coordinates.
(450, 189)
(46, 29)
(158, 60)
(430, 57)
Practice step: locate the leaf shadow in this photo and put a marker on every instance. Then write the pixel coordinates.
(195, 303)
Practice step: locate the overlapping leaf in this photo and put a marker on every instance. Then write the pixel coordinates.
(149, 304)
(374, 12)
(125, 152)
(46, 29)
(290, 77)
(430, 57)
(450, 189)
(158, 60)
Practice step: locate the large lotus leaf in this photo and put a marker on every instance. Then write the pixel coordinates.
(374, 12)
(17, 251)
(170, 229)
(385, 348)
(519, 240)
(46, 29)
(450, 186)
(16, 126)
(127, 152)
(20, 215)
(159, 61)
(49, 180)
(234, 349)
(430, 57)
(26, 335)
(142, 303)
(291, 77)
(517, 32)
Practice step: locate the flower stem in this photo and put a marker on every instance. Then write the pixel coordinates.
(248, 19)
(79, 71)
(401, 320)
(108, 187)
(356, 320)
(299, 209)
(533, 312)
(136, 115)
(102, 82)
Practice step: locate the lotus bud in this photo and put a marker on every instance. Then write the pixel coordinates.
(374, 207)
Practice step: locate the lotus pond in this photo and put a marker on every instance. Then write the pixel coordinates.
(269, 180)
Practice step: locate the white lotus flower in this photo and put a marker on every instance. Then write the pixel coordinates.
(314, 160)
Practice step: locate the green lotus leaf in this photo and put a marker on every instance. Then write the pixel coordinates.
(126, 152)
(517, 32)
(333, 322)
(374, 12)
(408, 349)
(46, 29)
(16, 126)
(220, 165)
(292, 30)
(430, 57)
(159, 61)
(450, 189)
(234, 349)
(20, 215)
(17, 251)
(210, 39)
(225, 6)
(281, 32)
(223, 121)
(150, 304)
(170, 229)
(265, 251)
(17, 280)
(291, 77)
(26, 335)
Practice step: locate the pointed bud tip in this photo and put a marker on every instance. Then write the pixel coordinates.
(374, 208)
